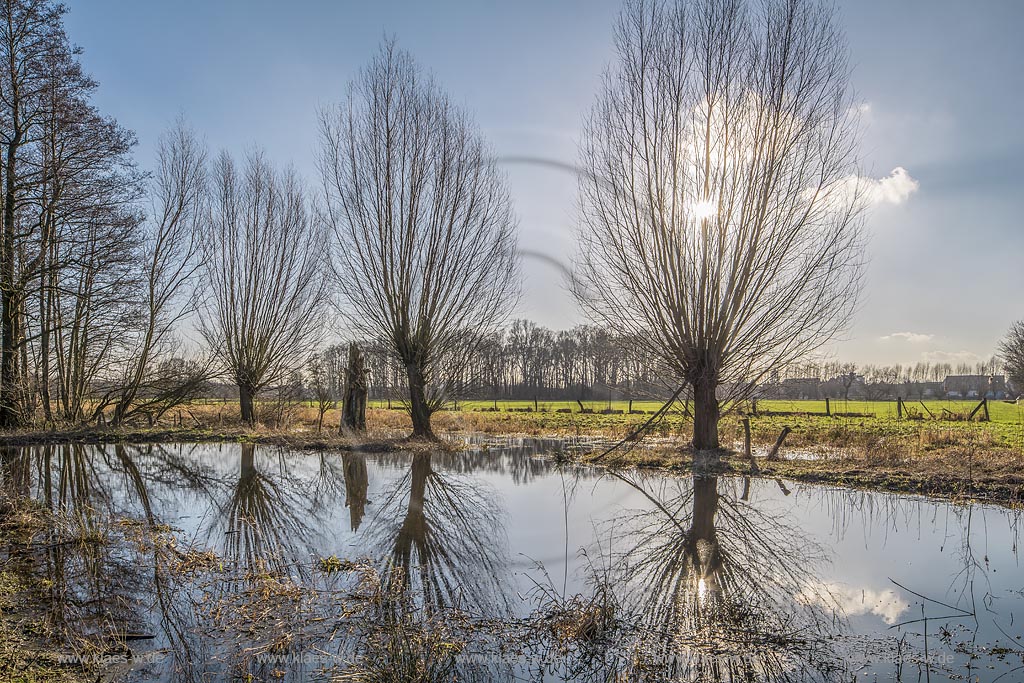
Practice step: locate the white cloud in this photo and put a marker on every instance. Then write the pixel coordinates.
(887, 604)
(911, 337)
(894, 188)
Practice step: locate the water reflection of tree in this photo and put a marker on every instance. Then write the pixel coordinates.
(716, 589)
(443, 537)
(438, 541)
(357, 482)
(86, 555)
(263, 518)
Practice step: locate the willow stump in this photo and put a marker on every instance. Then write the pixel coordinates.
(353, 408)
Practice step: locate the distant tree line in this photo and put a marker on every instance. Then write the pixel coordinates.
(526, 362)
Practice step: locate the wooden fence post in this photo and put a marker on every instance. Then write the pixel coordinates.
(747, 450)
(773, 454)
(980, 406)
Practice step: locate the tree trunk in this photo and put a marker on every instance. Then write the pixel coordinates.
(245, 400)
(10, 413)
(247, 462)
(353, 407)
(705, 414)
(419, 410)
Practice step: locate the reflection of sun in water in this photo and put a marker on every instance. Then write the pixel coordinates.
(705, 208)
(702, 591)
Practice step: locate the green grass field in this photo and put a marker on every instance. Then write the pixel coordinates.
(999, 411)
(867, 423)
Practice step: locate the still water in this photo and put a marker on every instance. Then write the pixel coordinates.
(223, 561)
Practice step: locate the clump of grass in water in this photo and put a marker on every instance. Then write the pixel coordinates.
(405, 641)
(330, 565)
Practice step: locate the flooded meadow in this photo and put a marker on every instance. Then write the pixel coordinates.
(498, 561)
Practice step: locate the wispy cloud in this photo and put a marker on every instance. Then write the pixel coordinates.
(950, 357)
(911, 337)
(861, 109)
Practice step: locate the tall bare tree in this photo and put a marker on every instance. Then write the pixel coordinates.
(1012, 352)
(719, 203)
(263, 270)
(62, 163)
(170, 254)
(424, 230)
(70, 222)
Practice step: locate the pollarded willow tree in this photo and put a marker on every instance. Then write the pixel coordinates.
(425, 248)
(720, 212)
(263, 270)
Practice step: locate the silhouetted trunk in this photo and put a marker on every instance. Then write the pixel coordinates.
(9, 413)
(413, 531)
(705, 414)
(247, 462)
(245, 399)
(705, 508)
(45, 311)
(353, 407)
(419, 409)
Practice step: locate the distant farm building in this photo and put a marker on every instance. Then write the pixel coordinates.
(975, 386)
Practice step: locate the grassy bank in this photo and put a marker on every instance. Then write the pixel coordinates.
(947, 457)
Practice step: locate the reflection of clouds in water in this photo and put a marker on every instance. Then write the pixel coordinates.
(887, 604)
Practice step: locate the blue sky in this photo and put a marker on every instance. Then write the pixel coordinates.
(941, 82)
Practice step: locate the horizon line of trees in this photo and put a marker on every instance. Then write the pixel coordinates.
(525, 361)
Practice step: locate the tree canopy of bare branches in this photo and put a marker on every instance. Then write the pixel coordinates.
(424, 231)
(720, 209)
(1012, 351)
(263, 270)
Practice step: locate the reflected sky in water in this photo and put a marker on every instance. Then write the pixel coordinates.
(595, 575)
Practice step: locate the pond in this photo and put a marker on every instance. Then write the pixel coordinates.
(221, 561)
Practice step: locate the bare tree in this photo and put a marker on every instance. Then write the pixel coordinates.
(67, 190)
(847, 377)
(719, 205)
(424, 230)
(1012, 352)
(324, 375)
(263, 273)
(170, 254)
